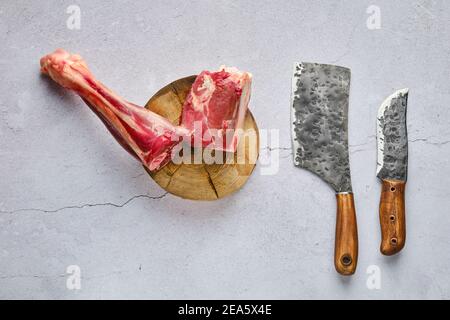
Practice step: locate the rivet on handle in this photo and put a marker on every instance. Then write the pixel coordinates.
(346, 260)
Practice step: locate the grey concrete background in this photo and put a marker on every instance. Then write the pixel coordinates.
(69, 195)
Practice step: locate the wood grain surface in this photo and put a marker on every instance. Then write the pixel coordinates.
(346, 245)
(203, 181)
(392, 217)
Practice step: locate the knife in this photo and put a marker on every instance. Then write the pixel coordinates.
(392, 170)
(319, 121)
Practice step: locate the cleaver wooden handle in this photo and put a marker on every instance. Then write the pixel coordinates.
(346, 245)
(392, 217)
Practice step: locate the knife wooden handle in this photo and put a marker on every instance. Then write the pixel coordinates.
(392, 217)
(346, 245)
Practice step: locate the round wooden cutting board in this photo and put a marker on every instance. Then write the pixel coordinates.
(202, 181)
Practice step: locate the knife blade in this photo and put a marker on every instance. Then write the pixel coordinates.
(392, 169)
(319, 128)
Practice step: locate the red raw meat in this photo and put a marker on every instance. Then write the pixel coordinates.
(215, 108)
(146, 135)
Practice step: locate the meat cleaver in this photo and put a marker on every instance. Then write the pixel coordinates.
(392, 169)
(319, 118)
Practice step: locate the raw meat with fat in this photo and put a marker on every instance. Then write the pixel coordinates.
(215, 108)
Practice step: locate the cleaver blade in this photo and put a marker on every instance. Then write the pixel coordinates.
(319, 128)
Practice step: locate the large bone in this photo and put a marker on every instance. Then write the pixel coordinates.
(146, 135)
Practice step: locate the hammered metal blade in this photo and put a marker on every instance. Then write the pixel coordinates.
(392, 137)
(319, 117)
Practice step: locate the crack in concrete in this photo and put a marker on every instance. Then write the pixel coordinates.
(426, 140)
(270, 149)
(369, 140)
(358, 150)
(347, 49)
(88, 205)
